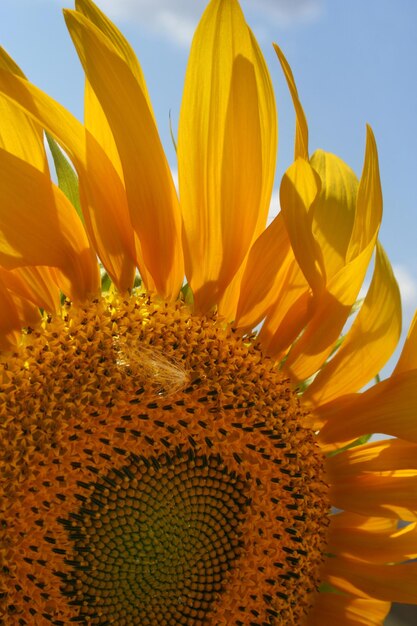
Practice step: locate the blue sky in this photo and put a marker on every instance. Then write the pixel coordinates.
(355, 62)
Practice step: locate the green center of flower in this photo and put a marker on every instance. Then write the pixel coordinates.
(155, 540)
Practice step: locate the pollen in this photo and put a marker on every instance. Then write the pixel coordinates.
(156, 470)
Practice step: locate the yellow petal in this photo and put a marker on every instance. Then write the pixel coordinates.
(39, 226)
(19, 134)
(149, 187)
(368, 344)
(299, 188)
(369, 201)
(392, 583)
(301, 128)
(335, 609)
(330, 314)
(36, 284)
(226, 150)
(389, 407)
(335, 302)
(113, 34)
(288, 316)
(408, 357)
(102, 194)
(9, 64)
(263, 274)
(334, 209)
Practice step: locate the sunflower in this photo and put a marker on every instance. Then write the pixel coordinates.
(195, 451)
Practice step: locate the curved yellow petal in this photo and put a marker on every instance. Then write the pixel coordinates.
(368, 344)
(333, 306)
(39, 226)
(113, 34)
(36, 284)
(102, 194)
(150, 191)
(263, 273)
(408, 356)
(289, 314)
(9, 64)
(19, 134)
(368, 212)
(389, 407)
(299, 189)
(301, 127)
(392, 583)
(226, 150)
(94, 117)
(334, 209)
(342, 610)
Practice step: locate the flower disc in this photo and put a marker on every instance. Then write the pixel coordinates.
(165, 476)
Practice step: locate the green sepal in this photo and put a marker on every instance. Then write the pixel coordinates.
(187, 294)
(105, 282)
(67, 178)
(358, 442)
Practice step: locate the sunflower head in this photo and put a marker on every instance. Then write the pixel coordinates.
(184, 431)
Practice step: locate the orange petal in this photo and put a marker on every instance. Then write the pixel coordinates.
(377, 479)
(36, 284)
(391, 583)
(371, 539)
(389, 407)
(341, 610)
(378, 456)
(370, 494)
(226, 150)
(10, 321)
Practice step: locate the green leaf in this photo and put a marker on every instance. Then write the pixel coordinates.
(67, 178)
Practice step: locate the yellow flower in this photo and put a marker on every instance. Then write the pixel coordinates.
(164, 463)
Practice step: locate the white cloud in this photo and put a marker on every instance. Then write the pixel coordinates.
(274, 206)
(177, 20)
(407, 283)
